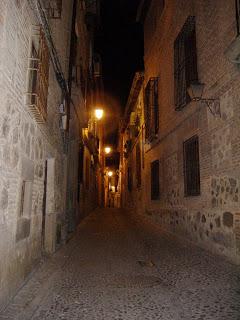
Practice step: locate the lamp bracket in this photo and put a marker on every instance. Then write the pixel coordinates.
(213, 106)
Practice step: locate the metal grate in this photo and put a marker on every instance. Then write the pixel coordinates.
(138, 166)
(38, 74)
(191, 167)
(155, 186)
(185, 62)
(151, 109)
(43, 76)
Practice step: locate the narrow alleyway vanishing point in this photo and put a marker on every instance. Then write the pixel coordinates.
(117, 267)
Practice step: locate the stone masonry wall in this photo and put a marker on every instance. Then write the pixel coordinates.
(211, 219)
(25, 146)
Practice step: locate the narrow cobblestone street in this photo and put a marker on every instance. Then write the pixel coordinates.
(118, 268)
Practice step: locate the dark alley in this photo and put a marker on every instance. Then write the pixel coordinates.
(119, 159)
(117, 267)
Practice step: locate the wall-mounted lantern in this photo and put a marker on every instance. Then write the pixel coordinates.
(195, 91)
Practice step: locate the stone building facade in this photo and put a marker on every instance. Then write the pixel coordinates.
(85, 135)
(42, 116)
(191, 175)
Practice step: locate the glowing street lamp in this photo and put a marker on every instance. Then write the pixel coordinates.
(107, 150)
(110, 173)
(98, 114)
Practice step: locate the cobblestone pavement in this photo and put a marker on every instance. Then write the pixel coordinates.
(118, 268)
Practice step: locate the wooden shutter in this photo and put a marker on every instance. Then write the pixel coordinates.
(185, 62)
(151, 109)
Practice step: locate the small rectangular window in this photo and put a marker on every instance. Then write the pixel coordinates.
(191, 167)
(151, 109)
(185, 62)
(155, 185)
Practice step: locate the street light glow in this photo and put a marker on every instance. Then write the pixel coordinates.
(110, 173)
(99, 113)
(107, 150)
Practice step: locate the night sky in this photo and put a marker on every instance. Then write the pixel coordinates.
(121, 46)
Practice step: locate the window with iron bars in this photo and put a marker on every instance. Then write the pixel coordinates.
(185, 62)
(38, 76)
(138, 166)
(191, 167)
(151, 109)
(237, 5)
(155, 185)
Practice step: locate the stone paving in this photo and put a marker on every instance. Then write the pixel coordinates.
(117, 267)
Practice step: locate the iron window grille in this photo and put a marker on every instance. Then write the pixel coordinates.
(151, 109)
(185, 62)
(237, 2)
(191, 167)
(155, 185)
(138, 166)
(38, 76)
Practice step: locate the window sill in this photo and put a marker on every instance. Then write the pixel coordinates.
(187, 196)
